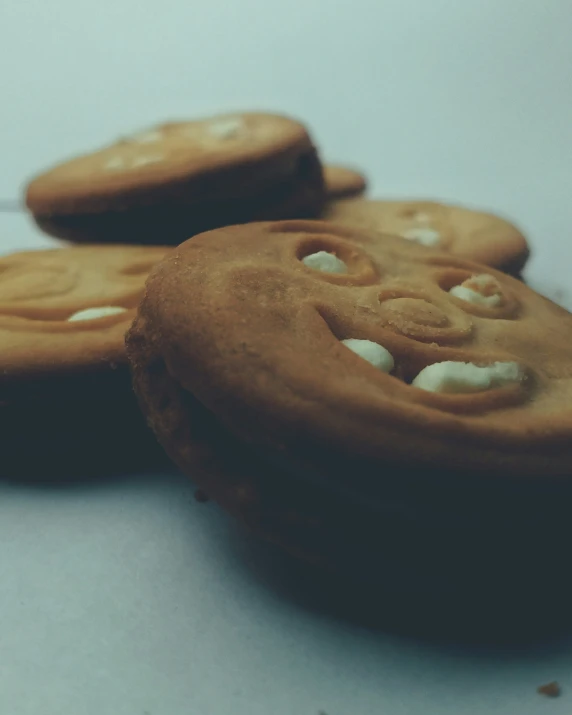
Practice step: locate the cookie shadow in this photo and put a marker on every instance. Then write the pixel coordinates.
(76, 429)
(59, 476)
(430, 612)
(64, 458)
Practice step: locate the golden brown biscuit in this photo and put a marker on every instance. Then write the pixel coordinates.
(363, 401)
(342, 181)
(170, 182)
(65, 398)
(469, 234)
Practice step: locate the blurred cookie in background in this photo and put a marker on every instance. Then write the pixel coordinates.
(169, 182)
(66, 403)
(342, 182)
(473, 235)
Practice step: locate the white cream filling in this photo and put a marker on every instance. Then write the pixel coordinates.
(472, 296)
(422, 234)
(481, 289)
(94, 313)
(374, 353)
(466, 377)
(325, 262)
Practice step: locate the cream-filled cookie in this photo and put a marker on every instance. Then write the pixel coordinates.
(331, 387)
(167, 183)
(66, 404)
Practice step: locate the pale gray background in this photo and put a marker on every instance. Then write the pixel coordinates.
(127, 597)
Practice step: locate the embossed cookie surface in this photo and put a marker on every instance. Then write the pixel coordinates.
(68, 309)
(473, 235)
(472, 370)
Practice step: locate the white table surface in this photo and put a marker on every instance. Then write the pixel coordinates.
(127, 597)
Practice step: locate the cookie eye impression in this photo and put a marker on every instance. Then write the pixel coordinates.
(335, 260)
(481, 289)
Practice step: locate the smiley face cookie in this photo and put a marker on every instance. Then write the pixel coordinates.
(469, 234)
(362, 400)
(341, 182)
(167, 183)
(65, 395)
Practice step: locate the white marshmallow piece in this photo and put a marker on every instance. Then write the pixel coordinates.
(482, 289)
(325, 262)
(466, 377)
(422, 234)
(94, 313)
(374, 353)
(225, 128)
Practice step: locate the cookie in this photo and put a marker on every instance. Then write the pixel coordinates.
(66, 403)
(170, 182)
(342, 182)
(469, 234)
(366, 403)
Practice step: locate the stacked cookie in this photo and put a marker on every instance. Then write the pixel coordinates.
(359, 381)
(474, 235)
(66, 401)
(66, 404)
(365, 402)
(173, 181)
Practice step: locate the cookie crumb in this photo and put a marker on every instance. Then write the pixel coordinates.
(551, 690)
(200, 496)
